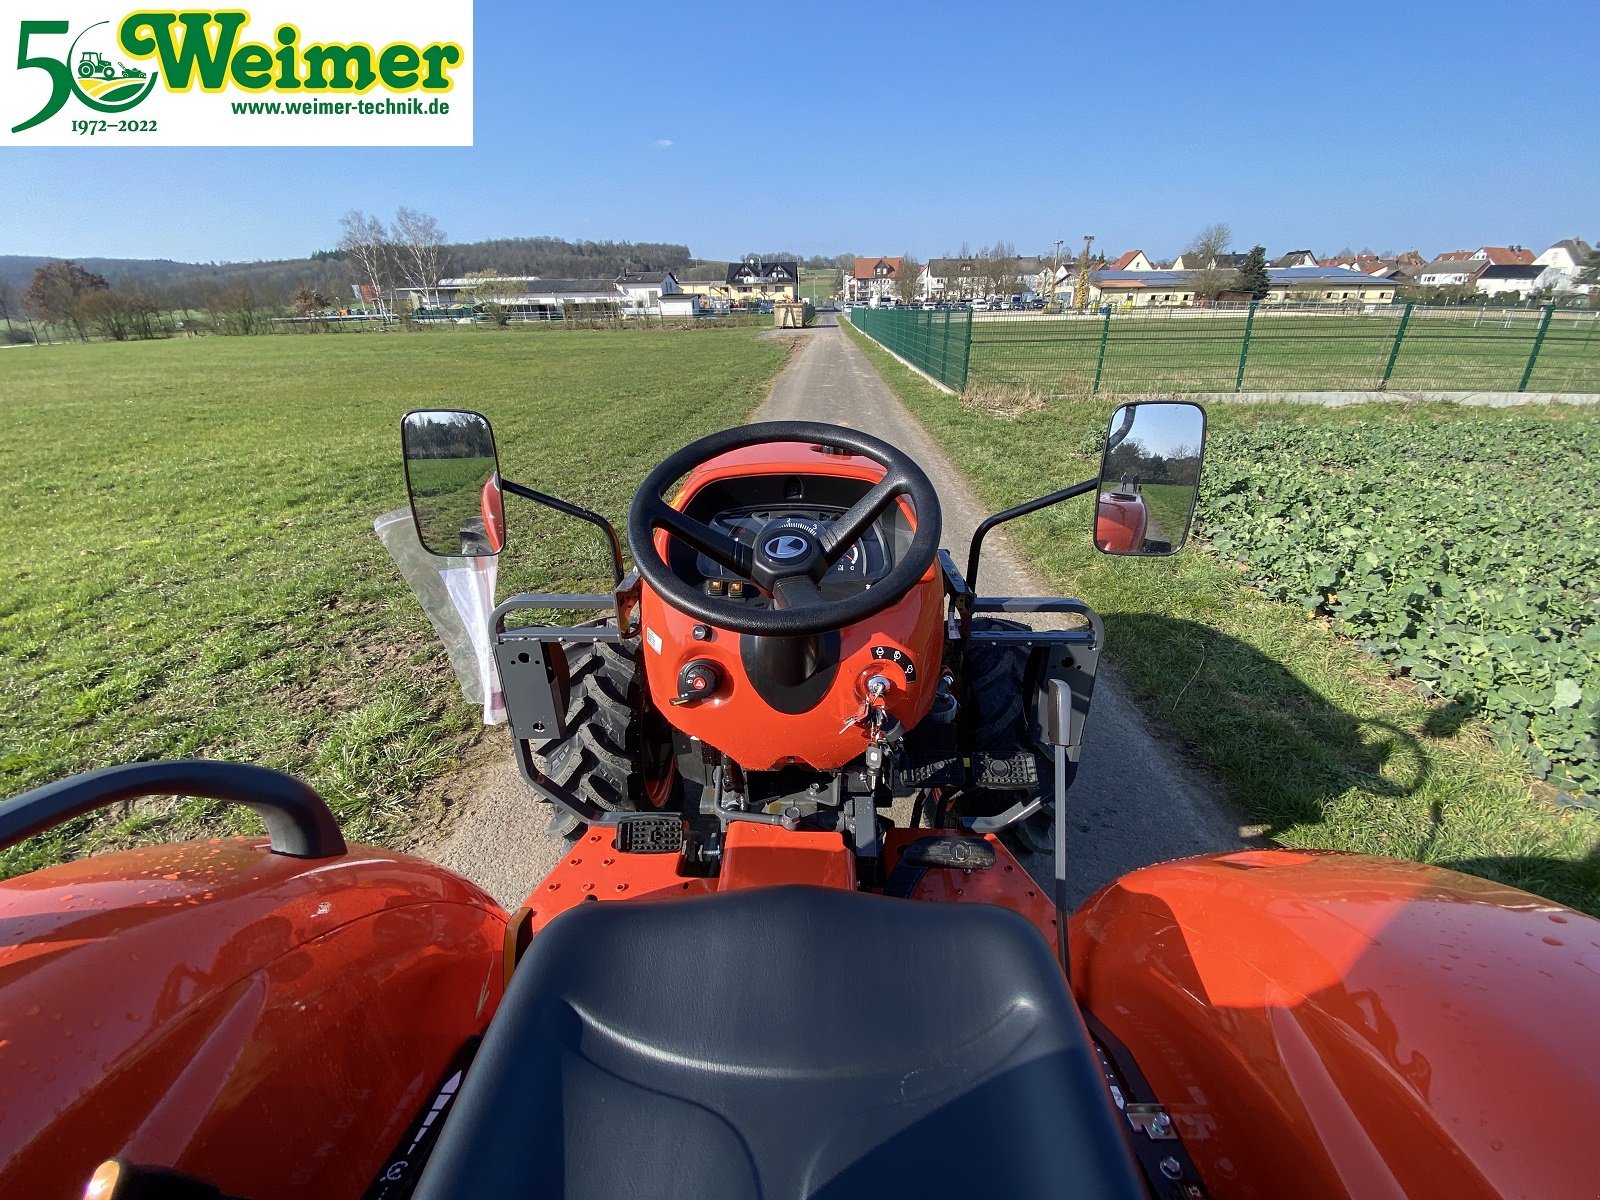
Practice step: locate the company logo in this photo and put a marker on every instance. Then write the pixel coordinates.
(786, 546)
(283, 74)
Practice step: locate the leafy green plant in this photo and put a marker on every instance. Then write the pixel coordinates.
(1465, 554)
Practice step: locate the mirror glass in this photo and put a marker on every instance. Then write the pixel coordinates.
(1149, 478)
(454, 479)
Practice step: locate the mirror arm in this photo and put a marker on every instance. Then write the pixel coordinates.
(1021, 510)
(573, 510)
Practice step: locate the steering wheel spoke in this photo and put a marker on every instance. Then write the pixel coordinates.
(719, 547)
(845, 530)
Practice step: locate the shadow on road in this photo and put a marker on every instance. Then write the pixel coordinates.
(1292, 759)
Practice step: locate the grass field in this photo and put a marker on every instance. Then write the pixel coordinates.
(1307, 733)
(1444, 350)
(199, 574)
(818, 286)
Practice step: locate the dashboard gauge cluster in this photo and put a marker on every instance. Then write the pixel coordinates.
(866, 561)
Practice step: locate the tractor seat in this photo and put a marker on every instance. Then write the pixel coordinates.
(784, 1042)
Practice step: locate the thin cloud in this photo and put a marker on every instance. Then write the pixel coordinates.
(663, 143)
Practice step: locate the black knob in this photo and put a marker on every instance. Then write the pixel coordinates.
(698, 680)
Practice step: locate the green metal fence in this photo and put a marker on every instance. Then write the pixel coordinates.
(935, 341)
(1259, 348)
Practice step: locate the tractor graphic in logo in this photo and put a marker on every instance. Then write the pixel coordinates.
(103, 83)
(94, 63)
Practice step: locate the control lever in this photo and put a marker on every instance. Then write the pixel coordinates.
(1057, 732)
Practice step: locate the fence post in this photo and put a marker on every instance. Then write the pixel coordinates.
(1244, 348)
(966, 350)
(1538, 340)
(1100, 362)
(1394, 351)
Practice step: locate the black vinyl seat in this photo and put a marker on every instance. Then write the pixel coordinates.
(784, 1042)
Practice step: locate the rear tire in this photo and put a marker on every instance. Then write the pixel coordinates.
(617, 752)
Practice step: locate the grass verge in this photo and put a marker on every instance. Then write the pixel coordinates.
(1312, 736)
(200, 576)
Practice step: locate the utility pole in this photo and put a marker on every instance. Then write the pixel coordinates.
(1081, 291)
(1055, 270)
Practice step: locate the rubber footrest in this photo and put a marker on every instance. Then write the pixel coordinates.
(1017, 769)
(649, 835)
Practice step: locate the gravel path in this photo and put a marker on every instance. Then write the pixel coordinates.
(1134, 801)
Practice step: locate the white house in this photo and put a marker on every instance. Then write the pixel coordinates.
(1296, 258)
(680, 304)
(975, 278)
(1450, 272)
(644, 289)
(1496, 278)
(1568, 257)
(874, 279)
(1133, 260)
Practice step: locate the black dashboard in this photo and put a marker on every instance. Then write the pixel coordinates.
(865, 562)
(745, 506)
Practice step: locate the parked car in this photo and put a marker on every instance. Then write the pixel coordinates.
(995, 303)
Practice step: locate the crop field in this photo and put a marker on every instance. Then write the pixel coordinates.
(1464, 552)
(194, 572)
(1385, 637)
(1178, 351)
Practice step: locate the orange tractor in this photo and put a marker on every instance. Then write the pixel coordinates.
(748, 976)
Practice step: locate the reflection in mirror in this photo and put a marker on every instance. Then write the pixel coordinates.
(1149, 478)
(454, 478)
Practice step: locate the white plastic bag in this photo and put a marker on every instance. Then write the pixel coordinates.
(457, 593)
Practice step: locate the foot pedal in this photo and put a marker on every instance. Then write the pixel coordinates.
(649, 835)
(949, 853)
(1018, 769)
(943, 853)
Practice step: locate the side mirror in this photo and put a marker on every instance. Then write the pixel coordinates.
(1149, 478)
(453, 475)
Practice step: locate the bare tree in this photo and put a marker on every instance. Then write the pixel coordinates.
(419, 240)
(1206, 279)
(366, 244)
(996, 267)
(906, 282)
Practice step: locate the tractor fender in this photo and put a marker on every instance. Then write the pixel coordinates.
(267, 1024)
(1337, 1025)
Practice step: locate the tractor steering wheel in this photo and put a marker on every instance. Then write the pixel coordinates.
(788, 560)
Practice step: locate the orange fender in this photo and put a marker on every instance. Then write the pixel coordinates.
(1120, 522)
(1332, 1025)
(270, 1025)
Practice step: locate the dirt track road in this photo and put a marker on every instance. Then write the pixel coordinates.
(1134, 802)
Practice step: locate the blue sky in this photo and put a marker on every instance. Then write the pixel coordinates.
(884, 128)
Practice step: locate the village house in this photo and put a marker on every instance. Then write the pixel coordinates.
(1567, 257)
(1451, 271)
(978, 278)
(873, 279)
(756, 280)
(1162, 289)
(1498, 278)
(645, 289)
